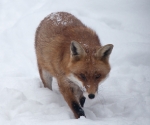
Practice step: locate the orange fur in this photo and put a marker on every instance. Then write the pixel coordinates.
(65, 46)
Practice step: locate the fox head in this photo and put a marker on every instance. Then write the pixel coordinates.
(89, 68)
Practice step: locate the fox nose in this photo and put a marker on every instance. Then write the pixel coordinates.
(91, 96)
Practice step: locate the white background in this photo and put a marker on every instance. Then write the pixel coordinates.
(123, 99)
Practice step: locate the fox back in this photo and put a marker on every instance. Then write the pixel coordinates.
(72, 53)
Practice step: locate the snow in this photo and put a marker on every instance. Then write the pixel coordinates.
(56, 18)
(123, 99)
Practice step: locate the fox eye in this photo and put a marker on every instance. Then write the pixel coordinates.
(82, 76)
(98, 76)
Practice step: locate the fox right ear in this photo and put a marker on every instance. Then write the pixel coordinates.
(76, 50)
(104, 52)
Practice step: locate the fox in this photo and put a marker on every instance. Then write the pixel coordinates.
(71, 52)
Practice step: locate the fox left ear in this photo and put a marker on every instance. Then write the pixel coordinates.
(104, 52)
(77, 50)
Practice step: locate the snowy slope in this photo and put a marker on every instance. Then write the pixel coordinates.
(123, 99)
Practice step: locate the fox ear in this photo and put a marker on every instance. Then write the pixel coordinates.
(104, 52)
(76, 50)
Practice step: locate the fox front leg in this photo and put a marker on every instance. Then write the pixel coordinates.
(70, 95)
(82, 101)
(78, 111)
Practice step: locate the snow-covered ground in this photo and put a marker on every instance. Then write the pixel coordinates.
(123, 99)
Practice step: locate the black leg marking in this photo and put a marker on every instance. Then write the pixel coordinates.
(82, 101)
(78, 109)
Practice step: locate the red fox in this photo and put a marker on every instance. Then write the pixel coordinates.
(72, 53)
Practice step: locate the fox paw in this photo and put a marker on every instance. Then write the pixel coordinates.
(77, 110)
